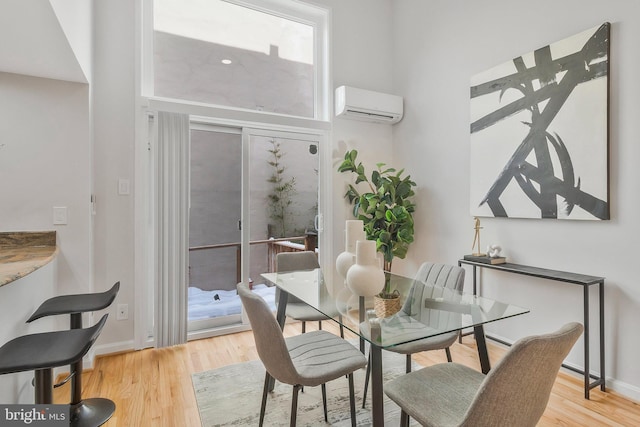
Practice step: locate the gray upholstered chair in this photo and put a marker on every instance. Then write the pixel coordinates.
(440, 276)
(514, 393)
(309, 359)
(296, 309)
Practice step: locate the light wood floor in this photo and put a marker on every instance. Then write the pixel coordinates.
(153, 387)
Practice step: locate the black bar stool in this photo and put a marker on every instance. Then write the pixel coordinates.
(87, 412)
(44, 351)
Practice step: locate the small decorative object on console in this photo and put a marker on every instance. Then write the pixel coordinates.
(486, 259)
(493, 251)
(476, 237)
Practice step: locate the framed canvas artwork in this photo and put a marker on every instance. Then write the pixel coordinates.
(539, 132)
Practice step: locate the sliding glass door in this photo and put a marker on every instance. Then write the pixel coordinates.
(253, 194)
(214, 227)
(281, 195)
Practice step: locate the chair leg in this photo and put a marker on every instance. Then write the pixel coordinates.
(265, 392)
(448, 354)
(352, 400)
(408, 363)
(294, 405)
(304, 326)
(341, 327)
(404, 419)
(320, 324)
(324, 402)
(366, 382)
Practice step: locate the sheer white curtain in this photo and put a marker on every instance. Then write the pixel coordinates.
(172, 244)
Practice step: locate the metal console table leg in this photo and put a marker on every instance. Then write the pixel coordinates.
(561, 276)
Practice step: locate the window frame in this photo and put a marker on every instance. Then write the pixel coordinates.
(315, 16)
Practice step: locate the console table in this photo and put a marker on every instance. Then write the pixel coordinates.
(566, 277)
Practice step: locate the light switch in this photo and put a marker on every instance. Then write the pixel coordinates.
(59, 215)
(123, 187)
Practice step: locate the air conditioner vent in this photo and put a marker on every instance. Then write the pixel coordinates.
(361, 104)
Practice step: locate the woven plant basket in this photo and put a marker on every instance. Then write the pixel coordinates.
(385, 307)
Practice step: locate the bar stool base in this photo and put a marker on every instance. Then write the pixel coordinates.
(92, 412)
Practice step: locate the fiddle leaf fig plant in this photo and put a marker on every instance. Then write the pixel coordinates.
(386, 209)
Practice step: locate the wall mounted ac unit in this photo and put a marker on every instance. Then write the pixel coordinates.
(361, 104)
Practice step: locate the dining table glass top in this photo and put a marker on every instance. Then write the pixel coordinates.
(426, 311)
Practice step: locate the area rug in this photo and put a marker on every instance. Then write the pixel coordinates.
(231, 396)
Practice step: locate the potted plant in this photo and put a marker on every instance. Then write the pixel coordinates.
(386, 210)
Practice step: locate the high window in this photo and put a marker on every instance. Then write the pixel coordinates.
(259, 55)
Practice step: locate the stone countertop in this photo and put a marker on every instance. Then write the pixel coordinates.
(23, 252)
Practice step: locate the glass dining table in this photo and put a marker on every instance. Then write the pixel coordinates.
(426, 311)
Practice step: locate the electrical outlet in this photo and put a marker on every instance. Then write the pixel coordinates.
(123, 312)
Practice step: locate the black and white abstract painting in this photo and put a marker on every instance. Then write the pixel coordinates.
(539, 132)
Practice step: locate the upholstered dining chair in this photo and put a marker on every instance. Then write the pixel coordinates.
(296, 309)
(514, 393)
(309, 359)
(438, 276)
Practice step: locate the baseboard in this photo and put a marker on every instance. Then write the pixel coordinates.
(87, 361)
(627, 390)
(213, 332)
(99, 350)
(116, 347)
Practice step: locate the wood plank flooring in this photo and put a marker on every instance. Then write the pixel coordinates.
(153, 387)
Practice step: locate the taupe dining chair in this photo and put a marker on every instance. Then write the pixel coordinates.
(439, 276)
(514, 393)
(309, 359)
(296, 309)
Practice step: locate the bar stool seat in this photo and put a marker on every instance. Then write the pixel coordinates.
(76, 304)
(44, 351)
(85, 412)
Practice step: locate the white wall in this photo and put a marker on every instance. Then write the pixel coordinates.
(45, 163)
(360, 50)
(438, 46)
(75, 21)
(114, 143)
(45, 44)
